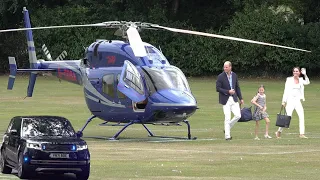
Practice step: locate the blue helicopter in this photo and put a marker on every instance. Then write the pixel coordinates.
(125, 82)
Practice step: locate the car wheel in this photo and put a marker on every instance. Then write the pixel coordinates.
(22, 169)
(3, 164)
(84, 175)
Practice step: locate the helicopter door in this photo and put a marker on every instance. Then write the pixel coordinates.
(130, 83)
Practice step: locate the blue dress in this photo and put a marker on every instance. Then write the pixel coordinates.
(258, 114)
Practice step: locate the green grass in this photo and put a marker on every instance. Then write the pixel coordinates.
(137, 156)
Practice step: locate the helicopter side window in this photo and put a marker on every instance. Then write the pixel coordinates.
(120, 94)
(108, 84)
(133, 79)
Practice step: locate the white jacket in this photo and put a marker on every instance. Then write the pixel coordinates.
(289, 87)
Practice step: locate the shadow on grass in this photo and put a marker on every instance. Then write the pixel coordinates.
(147, 139)
(40, 176)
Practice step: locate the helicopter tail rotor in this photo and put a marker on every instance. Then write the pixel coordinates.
(46, 52)
(62, 56)
(49, 57)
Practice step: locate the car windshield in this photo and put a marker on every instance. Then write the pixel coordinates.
(47, 126)
(166, 78)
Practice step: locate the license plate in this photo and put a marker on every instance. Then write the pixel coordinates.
(59, 155)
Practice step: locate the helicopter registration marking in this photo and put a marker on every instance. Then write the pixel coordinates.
(67, 74)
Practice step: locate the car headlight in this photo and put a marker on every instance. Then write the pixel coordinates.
(34, 146)
(82, 147)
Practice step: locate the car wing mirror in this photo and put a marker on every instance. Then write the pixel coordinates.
(79, 134)
(13, 132)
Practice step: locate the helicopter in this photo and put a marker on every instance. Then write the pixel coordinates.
(125, 82)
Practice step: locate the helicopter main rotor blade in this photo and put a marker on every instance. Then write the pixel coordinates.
(136, 42)
(105, 24)
(225, 37)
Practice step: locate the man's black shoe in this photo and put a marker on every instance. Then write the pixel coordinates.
(228, 139)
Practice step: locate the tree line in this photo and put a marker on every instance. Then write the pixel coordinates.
(292, 23)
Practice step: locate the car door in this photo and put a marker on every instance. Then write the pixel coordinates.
(131, 83)
(6, 136)
(13, 141)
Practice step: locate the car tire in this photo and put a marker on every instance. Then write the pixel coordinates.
(84, 175)
(22, 168)
(4, 169)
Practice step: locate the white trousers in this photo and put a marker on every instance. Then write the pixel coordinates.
(295, 103)
(233, 107)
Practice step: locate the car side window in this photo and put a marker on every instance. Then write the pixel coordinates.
(10, 126)
(17, 125)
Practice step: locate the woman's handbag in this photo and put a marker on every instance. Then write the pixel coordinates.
(283, 120)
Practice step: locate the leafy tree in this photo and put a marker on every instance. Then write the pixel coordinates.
(286, 22)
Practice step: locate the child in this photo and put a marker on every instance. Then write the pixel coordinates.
(260, 111)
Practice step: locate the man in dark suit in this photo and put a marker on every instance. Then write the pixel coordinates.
(229, 91)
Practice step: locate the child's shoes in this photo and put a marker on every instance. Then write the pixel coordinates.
(278, 133)
(267, 136)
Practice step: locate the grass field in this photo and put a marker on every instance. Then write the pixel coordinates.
(137, 156)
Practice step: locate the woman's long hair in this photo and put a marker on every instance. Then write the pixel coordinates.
(301, 75)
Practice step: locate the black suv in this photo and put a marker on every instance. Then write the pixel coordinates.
(35, 144)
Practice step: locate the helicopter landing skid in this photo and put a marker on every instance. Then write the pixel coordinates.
(79, 133)
(149, 131)
(185, 121)
(105, 124)
(114, 137)
(119, 132)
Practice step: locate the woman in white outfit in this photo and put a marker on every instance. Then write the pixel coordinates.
(292, 96)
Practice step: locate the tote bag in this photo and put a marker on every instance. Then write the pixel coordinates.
(246, 114)
(283, 120)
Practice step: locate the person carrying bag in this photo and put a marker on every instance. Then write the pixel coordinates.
(292, 96)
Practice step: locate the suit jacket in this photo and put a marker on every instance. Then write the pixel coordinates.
(223, 87)
(289, 85)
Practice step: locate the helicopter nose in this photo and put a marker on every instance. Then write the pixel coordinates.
(172, 106)
(171, 96)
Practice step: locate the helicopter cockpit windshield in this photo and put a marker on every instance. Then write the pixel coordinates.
(168, 78)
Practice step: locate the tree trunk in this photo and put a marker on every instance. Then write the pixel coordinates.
(175, 6)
